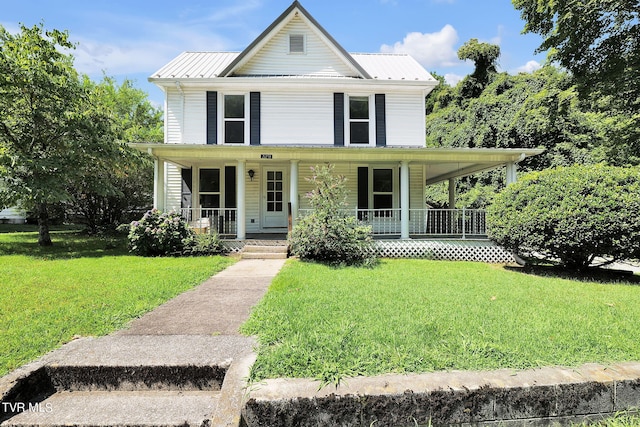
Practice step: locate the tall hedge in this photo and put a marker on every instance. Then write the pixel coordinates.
(570, 215)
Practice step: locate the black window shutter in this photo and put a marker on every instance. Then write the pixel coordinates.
(212, 118)
(363, 190)
(230, 200)
(381, 121)
(187, 187)
(254, 118)
(338, 119)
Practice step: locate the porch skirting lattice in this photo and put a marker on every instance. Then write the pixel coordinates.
(451, 250)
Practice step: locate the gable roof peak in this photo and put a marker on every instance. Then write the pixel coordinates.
(272, 29)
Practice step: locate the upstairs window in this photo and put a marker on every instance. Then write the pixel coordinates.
(296, 43)
(359, 130)
(234, 119)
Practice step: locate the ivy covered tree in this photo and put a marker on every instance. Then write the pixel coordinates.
(598, 41)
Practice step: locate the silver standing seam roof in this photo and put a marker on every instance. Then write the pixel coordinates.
(209, 65)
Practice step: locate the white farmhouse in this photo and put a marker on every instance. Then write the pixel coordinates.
(243, 129)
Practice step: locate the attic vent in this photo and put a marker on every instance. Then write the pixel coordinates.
(296, 43)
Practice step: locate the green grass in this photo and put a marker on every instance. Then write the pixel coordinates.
(619, 420)
(82, 286)
(421, 316)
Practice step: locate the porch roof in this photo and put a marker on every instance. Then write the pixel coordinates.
(443, 163)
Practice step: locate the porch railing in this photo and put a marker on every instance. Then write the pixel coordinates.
(212, 220)
(422, 222)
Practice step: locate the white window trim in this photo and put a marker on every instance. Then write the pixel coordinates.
(372, 120)
(221, 118)
(304, 44)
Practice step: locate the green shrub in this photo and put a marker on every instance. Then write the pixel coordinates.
(329, 234)
(158, 234)
(203, 245)
(570, 215)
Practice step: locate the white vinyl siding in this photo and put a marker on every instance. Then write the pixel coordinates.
(297, 118)
(275, 59)
(405, 120)
(173, 188)
(195, 116)
(252, 198)
(416, 191)
(173, 117)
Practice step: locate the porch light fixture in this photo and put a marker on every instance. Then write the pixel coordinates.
(251, 173)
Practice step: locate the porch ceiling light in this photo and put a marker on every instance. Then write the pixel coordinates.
(251, 173)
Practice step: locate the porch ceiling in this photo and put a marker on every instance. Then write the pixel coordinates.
(442, 163)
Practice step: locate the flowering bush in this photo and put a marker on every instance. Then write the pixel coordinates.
(329, 234)
(158, 234)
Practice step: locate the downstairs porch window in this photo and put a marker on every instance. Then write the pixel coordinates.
(383, 192)
(209, 191)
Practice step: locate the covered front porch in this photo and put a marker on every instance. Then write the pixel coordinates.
(241, 191)
(385, 223)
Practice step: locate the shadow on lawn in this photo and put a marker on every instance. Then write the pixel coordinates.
(66, 244)
(598, 275)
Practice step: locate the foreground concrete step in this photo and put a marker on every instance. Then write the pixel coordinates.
(150, 408)
(128, 380)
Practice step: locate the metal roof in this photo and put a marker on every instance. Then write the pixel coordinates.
(196, 65)
(209, 65)
(384, 66)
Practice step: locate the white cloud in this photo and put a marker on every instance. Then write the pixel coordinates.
(453, 79)
(529, 67)
(430, 49)
(136, 44)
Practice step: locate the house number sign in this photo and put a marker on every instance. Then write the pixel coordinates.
(266, 156)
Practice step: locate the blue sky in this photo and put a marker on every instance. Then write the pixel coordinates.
(132, 39)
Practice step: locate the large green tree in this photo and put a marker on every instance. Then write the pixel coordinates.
(52, 133)
(130, 181)
(597, 40)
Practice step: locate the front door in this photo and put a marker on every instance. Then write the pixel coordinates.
(274, 198)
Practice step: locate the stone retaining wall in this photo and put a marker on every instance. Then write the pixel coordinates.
(504, 397)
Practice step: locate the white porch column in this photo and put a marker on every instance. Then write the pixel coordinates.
(404, 200)
(511, 173)
(452, 193)
(158, 184)
(241, 223)
(293, 191)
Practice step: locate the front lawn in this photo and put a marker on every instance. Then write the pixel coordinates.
(420, 316)
(80, 286)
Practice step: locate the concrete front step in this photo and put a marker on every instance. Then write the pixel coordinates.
(149, 408)
(130, 380)
(264, 252)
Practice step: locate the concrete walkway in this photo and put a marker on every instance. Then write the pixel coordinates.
(182, 364)
(216, 307)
